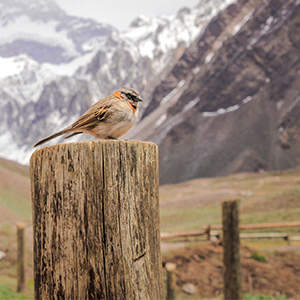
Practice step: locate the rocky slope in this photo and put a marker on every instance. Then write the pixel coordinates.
(231, 103)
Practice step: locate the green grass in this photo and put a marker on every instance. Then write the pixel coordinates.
(173, 220)
(16, 202)
(6, 294)
(282, 215)
(265, 198)
(258, 257)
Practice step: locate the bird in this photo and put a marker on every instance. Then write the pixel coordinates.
(109, 118)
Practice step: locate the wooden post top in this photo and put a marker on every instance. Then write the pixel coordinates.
(92, 143)
(21, 225)
(231, 200)
(170, 267)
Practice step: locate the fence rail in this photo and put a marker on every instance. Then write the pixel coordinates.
(260, 226)
(264, 235)
(183, 234)
(214, 231)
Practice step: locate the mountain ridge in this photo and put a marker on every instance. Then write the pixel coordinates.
(220, 83)
(228, 103)
(33, 93)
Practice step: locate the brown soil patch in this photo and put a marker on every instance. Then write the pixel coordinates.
(203, 267)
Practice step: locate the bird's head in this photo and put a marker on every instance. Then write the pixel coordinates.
(130, 95)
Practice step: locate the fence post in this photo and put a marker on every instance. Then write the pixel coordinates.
(21, 278)
(231, 247)
(170, 268)
(96, 221)
(208, 236)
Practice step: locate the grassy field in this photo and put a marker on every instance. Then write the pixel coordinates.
(266, 197)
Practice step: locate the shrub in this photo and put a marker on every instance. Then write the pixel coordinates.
(258, 257)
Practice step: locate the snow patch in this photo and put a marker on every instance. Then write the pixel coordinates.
(232, 108)
(147, 48)
(238, 26)
(167, 98)
(265, 29)
(209, 57)
(14, 65)
(9, 150)
(270, 20)
(196, 70)
(68, 69)
(247, 99)
(181, 83)
(190, 105)
(252, 43)
(220, 111)
(210, 114)
(160, 120)
(23, 28)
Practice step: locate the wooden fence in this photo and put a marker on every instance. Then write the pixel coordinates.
(215, 231)
(231, 244)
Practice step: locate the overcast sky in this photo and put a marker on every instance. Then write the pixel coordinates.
(120, 13)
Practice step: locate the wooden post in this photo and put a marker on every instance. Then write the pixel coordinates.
(96, 221)
(208, 236)
(288, 239)
(170, 268)
(231, 247)
(21, 279)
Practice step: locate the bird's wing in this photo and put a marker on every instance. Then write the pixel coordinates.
(92, 117)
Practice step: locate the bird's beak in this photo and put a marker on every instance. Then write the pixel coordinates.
(139, 99)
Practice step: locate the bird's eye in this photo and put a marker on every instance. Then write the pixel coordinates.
(129, 96)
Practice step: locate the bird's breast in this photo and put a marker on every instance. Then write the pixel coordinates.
(116, 125)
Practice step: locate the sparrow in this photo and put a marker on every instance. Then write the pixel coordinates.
(109, 118)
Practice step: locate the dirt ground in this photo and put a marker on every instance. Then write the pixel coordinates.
(202, 266)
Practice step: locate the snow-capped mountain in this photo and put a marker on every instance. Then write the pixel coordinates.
(43, 31)
(221, 81)
(54, 66)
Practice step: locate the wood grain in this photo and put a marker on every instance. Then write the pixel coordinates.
(96, 221)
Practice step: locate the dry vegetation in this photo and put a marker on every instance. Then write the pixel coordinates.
(273, 273)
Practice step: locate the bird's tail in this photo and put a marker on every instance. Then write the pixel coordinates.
(50, 137)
